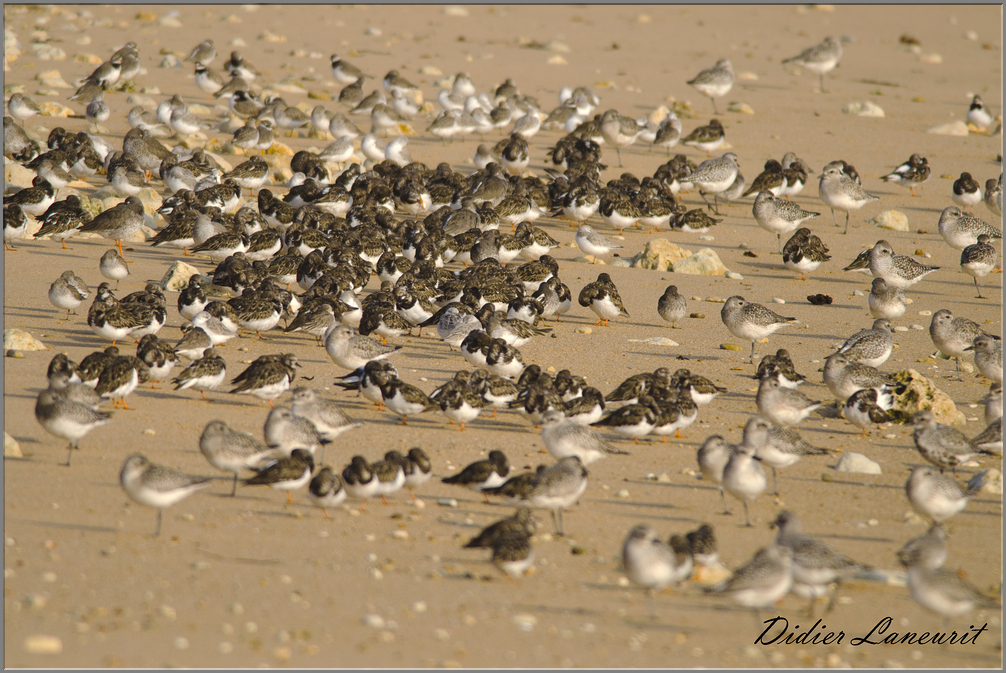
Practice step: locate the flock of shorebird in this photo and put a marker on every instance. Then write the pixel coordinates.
(340, 222)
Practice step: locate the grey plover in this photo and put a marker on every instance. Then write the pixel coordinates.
(886, 302)
(940, 444)
(897, 270)
(935, 495)
(844, 377)
(819, 59)
(960, 229)
(712, 458)
(862, 410)
(652, 563)
(839, 192)
(750, 321)
(157, 486)
(764, 579)
(988, 357)
(715, 176)
(815, 564)
(952, 336)
(910, 174)
(67, 418)
(784, 447)
(872, 346)
(979, 259)
(558, 487)
(563, 437)
(592, 243)
(743, 476)
(943, 591)
(285, 432)
(779, 216)
(232, 451)
(66, 384)
(715, 81)
(783, 406)
(671, 306)
(929, 548)
(288, 473)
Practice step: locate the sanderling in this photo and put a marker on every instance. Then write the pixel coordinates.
(671, 306)
(783, 406)
(715, 176)
(563, 437)
(844, 377)
(862, 410)
(942, 445)
(482, 474)
(715, 81)
(64, 384)
(68, 291)
(558, 487)
(232, 451)
(326, 415)
(21, 107)
(820, 59)
(350, 350)
(743, 476)
(839, 192)
(815, 564)
(156, 486)
(870, 347)
(988, 357)
(994, 402)
(66, 418)
(959, 229)
(993, 196)
(979, 259)
(592, 243)
(653, 564)
(619, 131)
(952, 336)
(990, 439)
(935, 495)
(285, 432)
(764, 579)
(750, 321)
(886, 302)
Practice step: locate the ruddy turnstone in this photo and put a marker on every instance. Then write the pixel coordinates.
(862, 410)
(779, 367)
(288, 473)
(326, 490)
(268, 377)
(15, 225)
(967, 193)
(482, 474)
(206, 373)
(601, 297)
(977, 114)
(157, 486)
(706, 138)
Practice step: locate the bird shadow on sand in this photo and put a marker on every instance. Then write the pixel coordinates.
(63, 525)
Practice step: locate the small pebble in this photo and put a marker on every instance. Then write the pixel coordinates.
(623, 494)
(447, 502)
(583, 330)
(858, 293)
(374, 621)
(733, 275)
(697, 316)
(730, 347)
(900, 328)
(917, 326)
(777, 300)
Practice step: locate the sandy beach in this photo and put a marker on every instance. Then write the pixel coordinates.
(251, 581)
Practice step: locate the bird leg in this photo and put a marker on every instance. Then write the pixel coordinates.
(64, 245)
(775, 481)
(846, 223)
(747, 519)
(271, 404)
(384, 500)
(118, 244)
(69, 454)
(726, 510)
(234, 489)
(289, 498)
(979, 289)
(160, 515)
(204, 397)
(752, 352)
(486, 496)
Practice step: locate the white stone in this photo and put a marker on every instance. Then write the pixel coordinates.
(863, 109)
(19, 340)
(705, 262)
(955, 128)
(177, 276)
(11, 448)
(858, 463)
(894, 220)
(656, 341)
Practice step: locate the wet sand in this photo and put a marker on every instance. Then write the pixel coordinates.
(251, 581)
